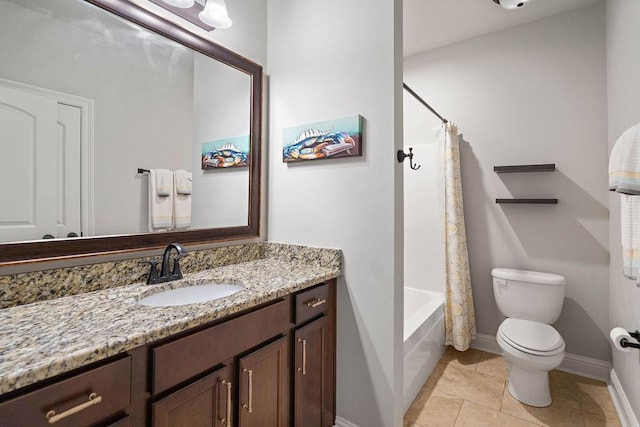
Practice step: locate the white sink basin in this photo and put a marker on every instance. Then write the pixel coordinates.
(190, 295)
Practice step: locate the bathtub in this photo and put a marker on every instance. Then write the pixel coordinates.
(423, 338)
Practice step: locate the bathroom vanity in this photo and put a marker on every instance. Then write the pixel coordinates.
(264, 356)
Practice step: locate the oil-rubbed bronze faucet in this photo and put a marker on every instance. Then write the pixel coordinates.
(166, 275)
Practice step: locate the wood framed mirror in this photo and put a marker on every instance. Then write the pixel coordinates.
(113, 240)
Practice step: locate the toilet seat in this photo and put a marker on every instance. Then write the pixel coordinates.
(531, 337)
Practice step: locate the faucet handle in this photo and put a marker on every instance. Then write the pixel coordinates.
(153, 273)
(176, 273)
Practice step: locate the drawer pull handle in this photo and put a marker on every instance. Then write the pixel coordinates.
(94, 399)
(316, 302)
(249, 407)
(227, 420)
(304, 357)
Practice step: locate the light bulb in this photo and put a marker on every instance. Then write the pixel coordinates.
(215, 14)
(182, 4)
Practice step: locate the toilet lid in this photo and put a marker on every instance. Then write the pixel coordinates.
(531, 337)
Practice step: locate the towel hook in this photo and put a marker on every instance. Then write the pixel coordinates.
(401, 155)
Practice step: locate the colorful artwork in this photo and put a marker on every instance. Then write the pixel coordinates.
(324, 140)
(226, 153)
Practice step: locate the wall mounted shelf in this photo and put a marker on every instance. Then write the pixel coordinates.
(528, 201)
(547, 167)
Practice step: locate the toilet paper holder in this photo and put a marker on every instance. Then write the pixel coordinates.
(626, 343)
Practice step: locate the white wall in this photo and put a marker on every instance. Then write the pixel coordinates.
(623, 84)
(329, 59)
(532, 94)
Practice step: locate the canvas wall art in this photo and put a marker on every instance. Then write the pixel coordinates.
(226, 153)
(323, 140)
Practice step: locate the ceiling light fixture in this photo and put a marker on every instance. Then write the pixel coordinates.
(512, 4)
(182, 4)
(215, 14)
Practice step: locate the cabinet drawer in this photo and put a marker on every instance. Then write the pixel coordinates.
(311, 302)
(112, 387)
(186, 357)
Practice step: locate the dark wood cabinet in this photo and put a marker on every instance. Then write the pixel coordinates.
(270, 366)
(188, 356)
(204, 403)
(263, 392)
(311, 368)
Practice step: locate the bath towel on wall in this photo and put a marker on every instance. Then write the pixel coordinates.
(164, 182)
(624, 178)
(184, 181)
(160, 208)
(460, 319)
(182, 199)
(630, 234)
(624, 163)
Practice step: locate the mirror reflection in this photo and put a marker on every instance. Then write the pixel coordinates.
(86, 99)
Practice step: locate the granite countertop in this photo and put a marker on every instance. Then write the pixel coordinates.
(44, 339)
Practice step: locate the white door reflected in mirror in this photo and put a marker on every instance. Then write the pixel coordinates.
(41, 177)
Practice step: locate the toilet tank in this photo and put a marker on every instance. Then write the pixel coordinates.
(528, 295)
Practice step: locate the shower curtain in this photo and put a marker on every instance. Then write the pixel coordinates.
(460, 319)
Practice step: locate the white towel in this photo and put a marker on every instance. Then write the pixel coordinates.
(181, 208)
(630, 233)
(183, 181)
(164, 182)
(624, 163)
(160, 208)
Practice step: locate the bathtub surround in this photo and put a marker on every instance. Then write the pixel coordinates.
(424, 266)
(623, 88)
(460, 319)
(27, 288)
(423, 339)
(517, 95)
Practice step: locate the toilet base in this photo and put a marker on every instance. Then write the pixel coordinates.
(529, 387)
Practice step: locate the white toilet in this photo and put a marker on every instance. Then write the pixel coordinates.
(531, 301)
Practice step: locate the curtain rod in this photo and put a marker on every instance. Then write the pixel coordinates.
(423, 102)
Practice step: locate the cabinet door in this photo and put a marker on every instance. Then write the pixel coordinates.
(204, 403)
(310, 370)
(263, 391)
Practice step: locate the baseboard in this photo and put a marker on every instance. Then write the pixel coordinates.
(486, 343)
(341, 422)
(572, 363)
(622, 404)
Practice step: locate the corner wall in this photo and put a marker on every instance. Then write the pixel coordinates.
(532, 94)
(326, 60)
(623, 84)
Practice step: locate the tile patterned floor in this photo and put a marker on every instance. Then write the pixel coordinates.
(469, 389)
